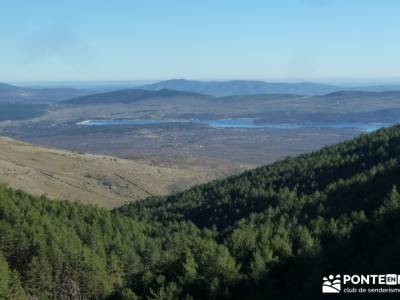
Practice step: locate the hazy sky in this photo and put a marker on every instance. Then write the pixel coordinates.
(198, 39)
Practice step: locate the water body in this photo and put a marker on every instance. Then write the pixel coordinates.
(239, 123)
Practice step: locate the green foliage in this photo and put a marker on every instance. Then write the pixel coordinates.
(10, 285)
(5, 275)
(272, 232)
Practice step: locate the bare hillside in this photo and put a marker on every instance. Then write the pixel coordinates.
(102, 180)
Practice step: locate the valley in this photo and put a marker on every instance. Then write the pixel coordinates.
(240, 129)
(120, 146)
(199, 150)
(269, 233)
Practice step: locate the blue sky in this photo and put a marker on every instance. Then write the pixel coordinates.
(218, 39)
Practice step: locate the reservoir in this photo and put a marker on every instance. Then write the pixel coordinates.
(239, 123)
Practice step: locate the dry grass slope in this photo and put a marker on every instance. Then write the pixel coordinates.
(102, 180)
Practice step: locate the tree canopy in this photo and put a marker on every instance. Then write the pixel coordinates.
(272, 232)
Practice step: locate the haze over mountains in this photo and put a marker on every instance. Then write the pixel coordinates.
(139, 122)
(241, 87)
(247, 87)
(16, 94)
(339, 106)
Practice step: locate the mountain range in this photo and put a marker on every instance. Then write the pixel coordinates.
(247, 87)
(242, 87)
(15, 94)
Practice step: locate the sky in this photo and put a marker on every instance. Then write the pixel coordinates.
(48, 40)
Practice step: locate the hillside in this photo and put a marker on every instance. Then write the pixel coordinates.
(378, 88)
(129, 96)
(362, 94)
(253, 87)
(241, 87)
(20, 111)
(4, 87)
(102, 180)
(270, 233)
(16, 94)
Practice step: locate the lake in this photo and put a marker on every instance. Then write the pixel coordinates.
(238, 123)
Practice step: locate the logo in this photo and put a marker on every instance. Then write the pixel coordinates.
(331, 284)
(361, 284)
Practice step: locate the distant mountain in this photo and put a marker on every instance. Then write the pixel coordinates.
(242, 87)
(377, 88)
(4, 87)
(16, 94)
(259, 97)
(171, 88)
(247, 87)
(362, 93)
(128, 96)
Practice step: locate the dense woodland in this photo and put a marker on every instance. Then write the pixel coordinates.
(270, 233)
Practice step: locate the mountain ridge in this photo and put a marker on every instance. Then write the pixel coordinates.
(17, 94)
(130, 95)
(241, 87)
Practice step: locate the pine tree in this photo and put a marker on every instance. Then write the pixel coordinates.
(5, 278)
